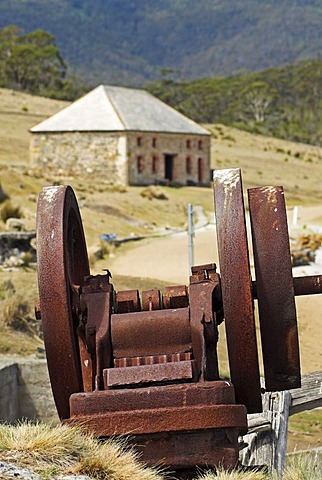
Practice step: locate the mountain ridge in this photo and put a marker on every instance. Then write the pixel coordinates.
(129, 42)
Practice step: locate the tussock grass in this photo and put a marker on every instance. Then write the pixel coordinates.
(300, 467)
(303, 467)
(222, 474)
(16, 313)
(66, 449)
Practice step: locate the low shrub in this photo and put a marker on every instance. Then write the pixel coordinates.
(9, 210)
(154, 192)
(17, 313)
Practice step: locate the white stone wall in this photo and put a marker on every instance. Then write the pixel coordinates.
(81, 153)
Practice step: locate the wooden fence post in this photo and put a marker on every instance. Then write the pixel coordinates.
(266, 440)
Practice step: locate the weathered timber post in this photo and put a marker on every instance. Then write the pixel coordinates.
(266, 440)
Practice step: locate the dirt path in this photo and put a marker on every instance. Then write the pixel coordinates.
(167, 258)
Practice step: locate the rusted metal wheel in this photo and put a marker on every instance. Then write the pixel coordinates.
(62, 266)
(237, 288)
(275, 288)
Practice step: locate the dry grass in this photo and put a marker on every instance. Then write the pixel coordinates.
(270, 161)
(299, 467)
(303, 467)
(54, 450)
(17, 310)
(64, 449)
(235, 475)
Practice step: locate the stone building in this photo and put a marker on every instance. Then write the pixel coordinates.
(125, 136)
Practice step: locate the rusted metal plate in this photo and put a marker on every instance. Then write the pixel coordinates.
(62, 266)
(158, 332)
(275, 288)
(158, 372)
(165, 419)
(189, 450)
(176, 395)
(236, 288)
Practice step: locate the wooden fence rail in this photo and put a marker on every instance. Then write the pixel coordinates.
(266, 439)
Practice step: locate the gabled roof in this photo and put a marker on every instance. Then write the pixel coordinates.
(113, 109)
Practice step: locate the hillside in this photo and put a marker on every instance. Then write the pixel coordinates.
(129, 42)
(264, 160)
(283, 102)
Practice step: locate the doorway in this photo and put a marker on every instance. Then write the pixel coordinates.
(200, 171)
(168, 166)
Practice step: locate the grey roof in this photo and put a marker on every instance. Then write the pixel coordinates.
(108, 108)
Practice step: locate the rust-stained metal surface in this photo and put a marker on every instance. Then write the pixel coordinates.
(205, 315)
(180, 450)
(176, 297)
(310, 285)
(62, 265)
(151, 373)
(95, 329)
(165, 419)
(151, 299)
(151, 359)
(275, 288)
(177, 395)
(236, 288)
(201, 416)
(128, 301)
(132, 333)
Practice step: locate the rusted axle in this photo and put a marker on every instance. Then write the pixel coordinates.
(310, 285)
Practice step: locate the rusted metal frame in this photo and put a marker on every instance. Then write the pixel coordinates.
(204, 281)
(236, 288)
(188, 452)
(176, 395)
(132, 333)
(96, 304)
(62, 265)
(310, 285)
(165, 419)
(275, 288)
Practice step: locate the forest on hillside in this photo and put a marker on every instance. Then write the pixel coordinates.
(128, 42)
(285, 102)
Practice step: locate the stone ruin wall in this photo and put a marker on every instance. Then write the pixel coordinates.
(81, 153)
(114, 156)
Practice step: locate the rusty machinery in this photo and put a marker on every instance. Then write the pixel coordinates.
(121, 363)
